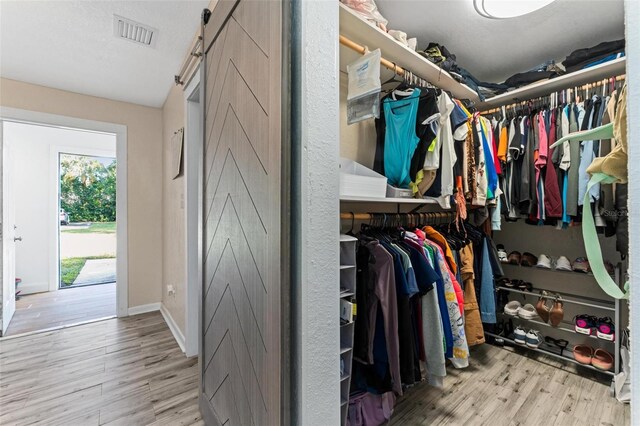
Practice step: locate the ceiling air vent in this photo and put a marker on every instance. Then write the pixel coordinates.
(126, 29)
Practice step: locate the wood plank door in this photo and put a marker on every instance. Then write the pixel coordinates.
(242, 216)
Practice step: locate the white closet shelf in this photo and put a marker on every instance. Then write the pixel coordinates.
(566, 81)
(365, 34)
(353, 199)
(344, 238)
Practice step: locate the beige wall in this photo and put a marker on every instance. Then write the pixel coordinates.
(358, 140)
(144, 157)
(173, 213)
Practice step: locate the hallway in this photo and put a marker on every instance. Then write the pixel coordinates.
(42, 311)
(119, 371)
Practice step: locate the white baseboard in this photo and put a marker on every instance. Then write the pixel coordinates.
(175, 330)
(143, 309)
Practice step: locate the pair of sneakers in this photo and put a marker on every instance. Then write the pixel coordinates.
(604, 327)
(559, 264)
(531, 339)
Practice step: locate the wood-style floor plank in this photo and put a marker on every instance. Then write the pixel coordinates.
(501, 387)
(131, 372)
(67, 306)
(115, 372)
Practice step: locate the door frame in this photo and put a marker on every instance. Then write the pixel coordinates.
(193, 148)
(54, 203)
(120, 130)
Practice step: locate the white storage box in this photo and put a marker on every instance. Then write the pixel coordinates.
(393, 192)
(358, 181)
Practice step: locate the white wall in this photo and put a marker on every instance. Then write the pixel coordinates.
(632, 25)
(315, 205)
(34, 148)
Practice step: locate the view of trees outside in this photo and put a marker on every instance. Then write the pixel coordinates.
(88, 189)
(88, 231)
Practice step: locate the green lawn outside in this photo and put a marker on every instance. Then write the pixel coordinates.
(95, 228)
(70, 268)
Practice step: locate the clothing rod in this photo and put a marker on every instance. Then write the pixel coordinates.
(586, 86)
(574, 302)
(369, 216)
(361, 49)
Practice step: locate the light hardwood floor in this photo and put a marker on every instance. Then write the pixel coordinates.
(501, 387)
(131, 372)
(41, 311)
(117, 372)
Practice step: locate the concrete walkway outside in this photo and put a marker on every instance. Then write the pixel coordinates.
(84, 245)
(97, 271)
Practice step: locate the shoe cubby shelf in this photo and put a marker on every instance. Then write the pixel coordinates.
(568, 330)
(549, 353)
(602, 304)
(347, 292)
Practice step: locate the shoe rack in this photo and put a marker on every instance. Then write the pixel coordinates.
(579, 292)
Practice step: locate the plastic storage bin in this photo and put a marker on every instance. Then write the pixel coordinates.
(393, 192)
(357, 180)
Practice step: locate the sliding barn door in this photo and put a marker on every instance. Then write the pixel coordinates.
(242, 295)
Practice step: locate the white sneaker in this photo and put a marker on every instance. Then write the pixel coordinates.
(533, 339)
(544, 262)
(512, 308)
(519, 336)
(528, 312)
(502, 254)
(563, 264)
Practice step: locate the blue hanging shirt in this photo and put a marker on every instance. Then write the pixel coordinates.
(400, 140)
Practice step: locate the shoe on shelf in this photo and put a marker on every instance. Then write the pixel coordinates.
(541, 307)
(527, 312)
(605, 329)
(584, 324)
(520, 336)
(602, 360)
(528, 259)
(523, 285)
(514, 258)
(502, 254)
(611, 270)
(563, 264)
(556, 315)
(533, 339)
(512, 308)
(581, 265)
(583, 354)
(561, 344)
(544, 262)
(499, 330)
(505, 282)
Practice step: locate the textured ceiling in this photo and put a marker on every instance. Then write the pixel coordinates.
(494, 49)
(70, 45)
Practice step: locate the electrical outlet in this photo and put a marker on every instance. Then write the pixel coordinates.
(171, 291)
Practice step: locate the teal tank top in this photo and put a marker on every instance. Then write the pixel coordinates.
(400, 140)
